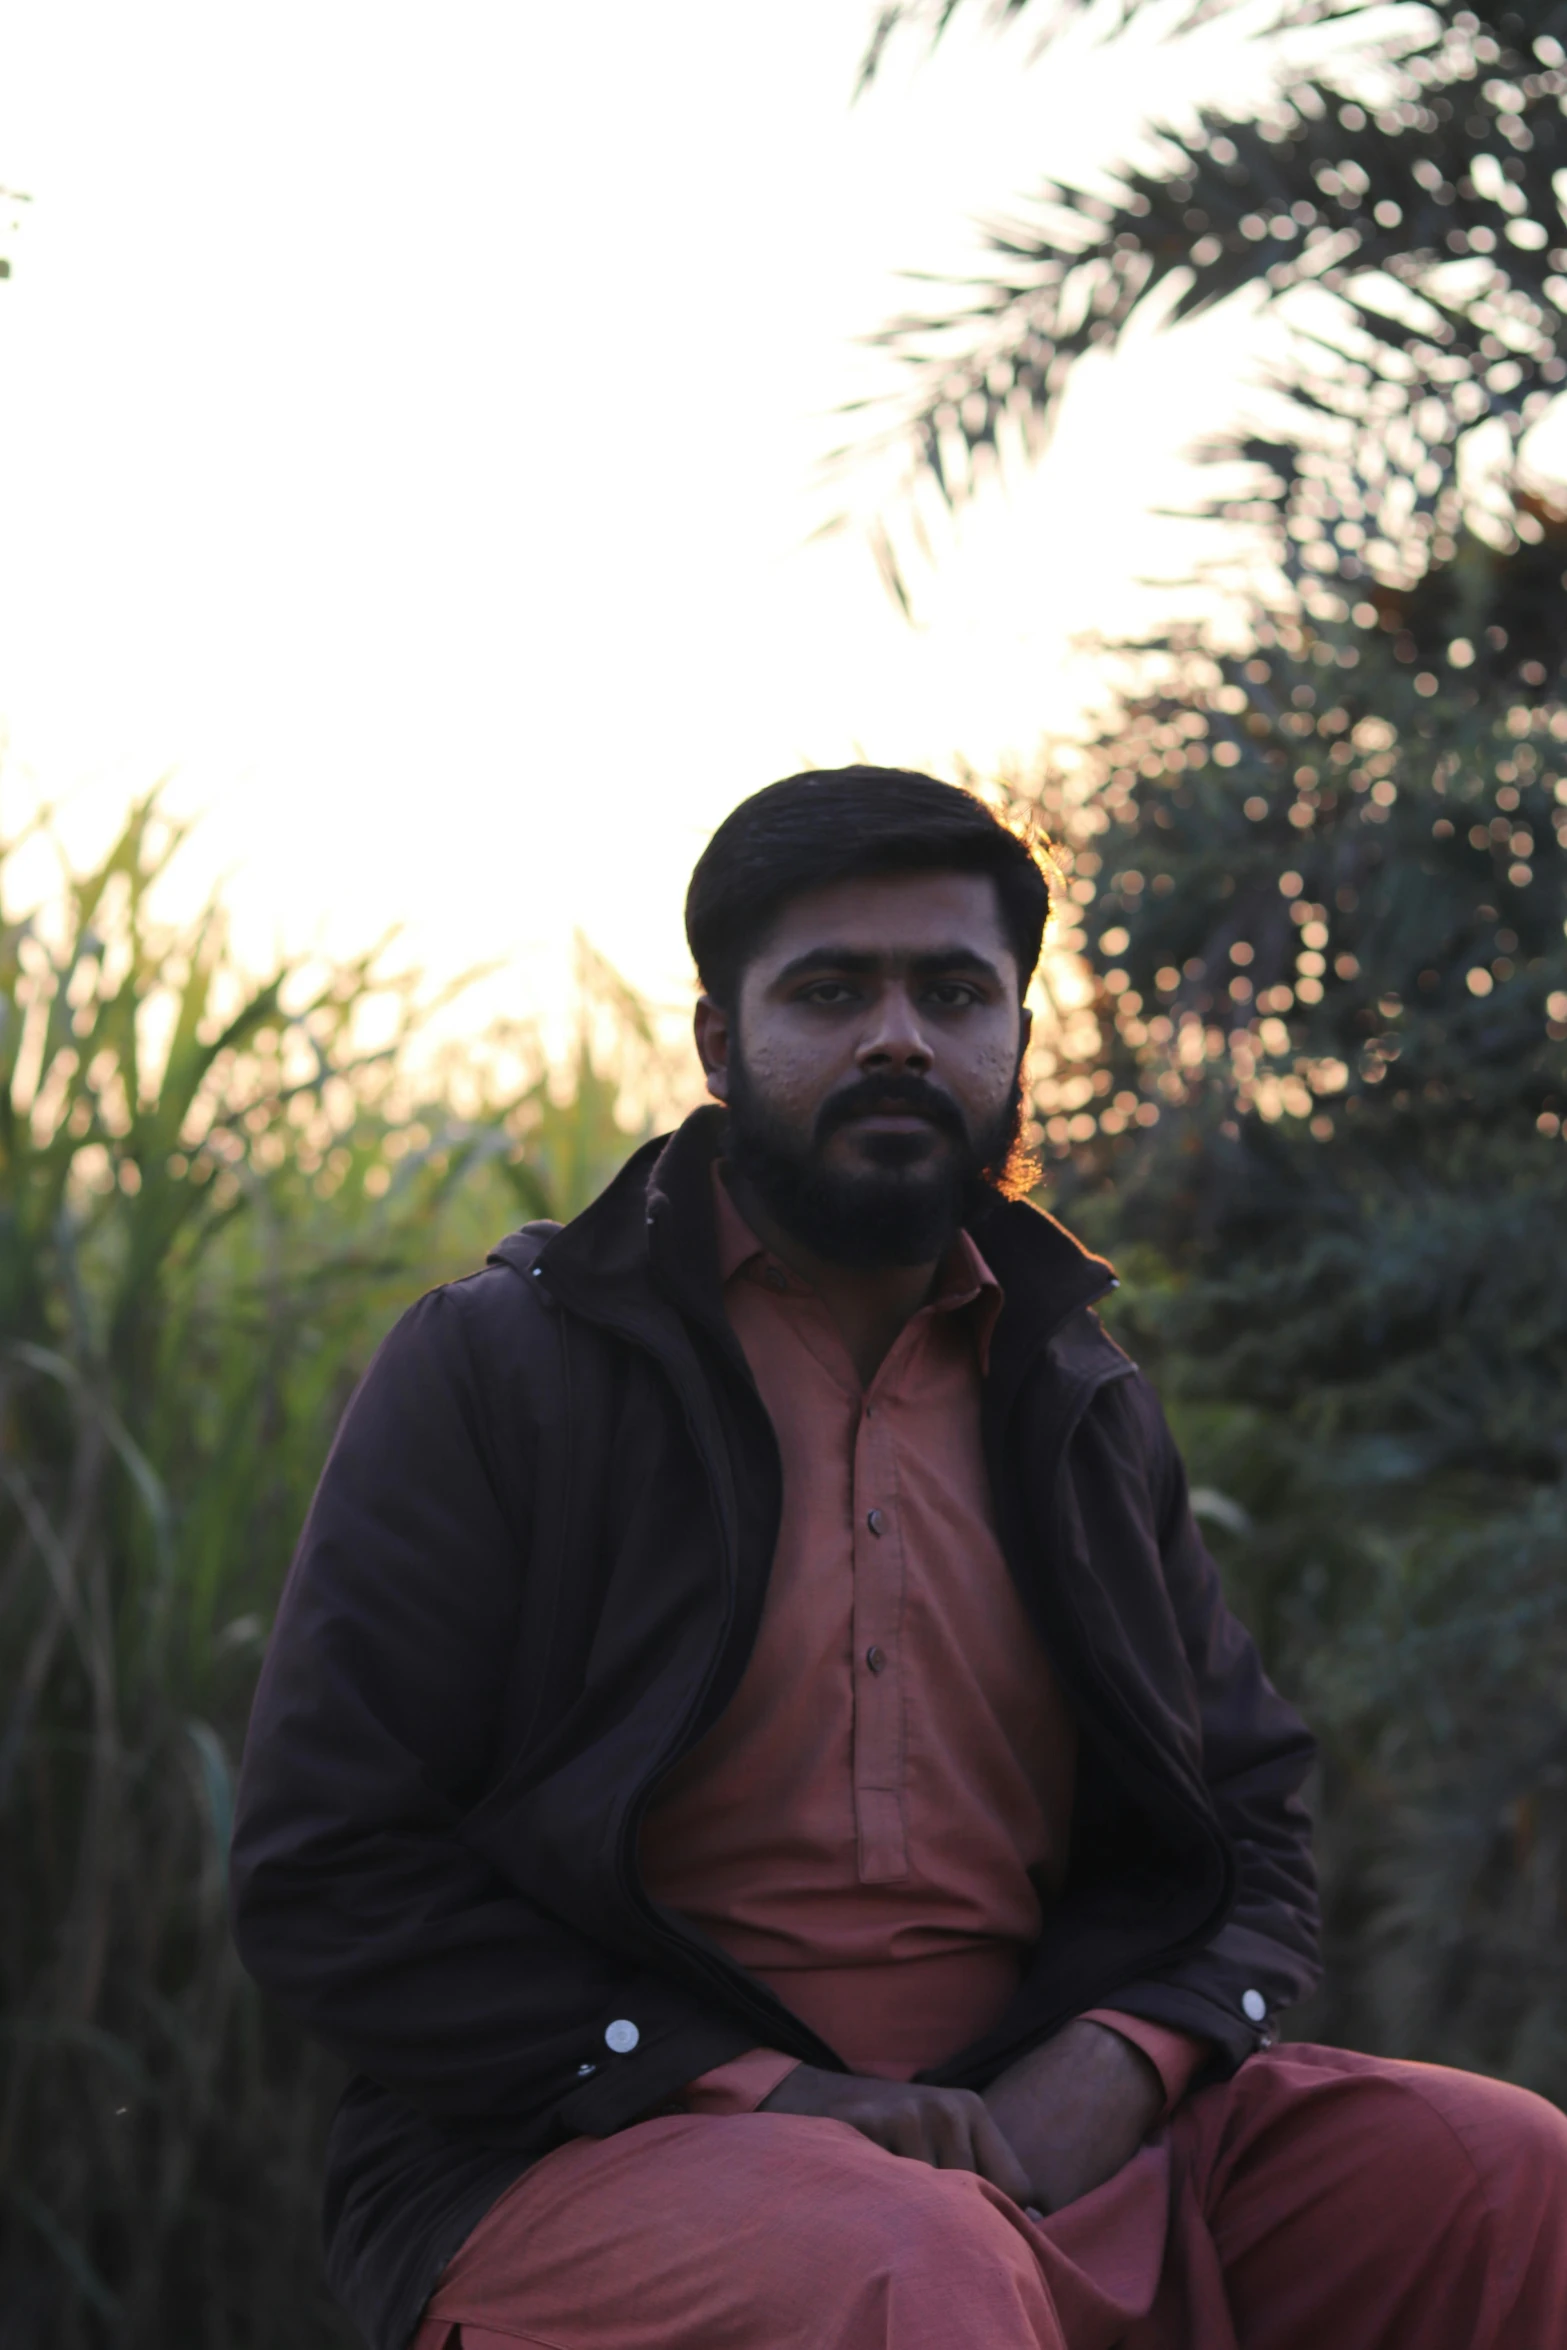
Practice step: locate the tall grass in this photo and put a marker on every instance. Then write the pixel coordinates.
(214, 1195)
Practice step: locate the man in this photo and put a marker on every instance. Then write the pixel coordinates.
(755, 1774)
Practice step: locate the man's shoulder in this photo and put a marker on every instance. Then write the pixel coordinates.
(478, 1323)
(521, 1250)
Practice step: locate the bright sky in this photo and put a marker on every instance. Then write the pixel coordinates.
(409, 417)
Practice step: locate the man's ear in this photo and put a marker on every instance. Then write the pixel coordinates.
(1025, 1031)
(713, 1029)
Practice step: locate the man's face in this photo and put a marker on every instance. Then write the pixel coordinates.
(871, 1065)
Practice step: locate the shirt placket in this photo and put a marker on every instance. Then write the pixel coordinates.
(879, 1676)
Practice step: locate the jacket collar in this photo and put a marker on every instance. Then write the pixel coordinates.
(648, 1241)
(1047, 1278)
(653, 1230)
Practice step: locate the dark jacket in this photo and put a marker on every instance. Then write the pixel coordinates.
(531, 1579)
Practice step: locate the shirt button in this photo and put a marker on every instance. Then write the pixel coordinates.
(1254, 2007)
(622, 2036)
(875, 1658)
(875, 1521)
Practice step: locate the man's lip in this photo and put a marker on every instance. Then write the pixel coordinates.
(894, 1121)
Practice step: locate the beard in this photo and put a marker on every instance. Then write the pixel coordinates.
(906, 1207)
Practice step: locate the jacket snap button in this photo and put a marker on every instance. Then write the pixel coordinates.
(875, 1658)
(622, 2036)
(1254, 2007)
(875, 1521)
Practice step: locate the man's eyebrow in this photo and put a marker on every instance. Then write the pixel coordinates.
(957, 957)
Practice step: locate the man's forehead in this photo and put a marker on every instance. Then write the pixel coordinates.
(896, 917)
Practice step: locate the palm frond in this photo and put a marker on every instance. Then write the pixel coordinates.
(1404, 218)
(929, 19)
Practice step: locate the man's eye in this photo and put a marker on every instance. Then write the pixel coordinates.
(954, 994)
(828, 991)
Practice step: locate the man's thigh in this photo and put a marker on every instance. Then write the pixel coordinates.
(743, 2232)
(1367, 2203)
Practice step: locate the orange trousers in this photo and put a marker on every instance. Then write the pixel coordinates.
(1318, 2201)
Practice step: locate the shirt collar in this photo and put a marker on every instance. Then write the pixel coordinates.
(737, 1243)
(962, 1279)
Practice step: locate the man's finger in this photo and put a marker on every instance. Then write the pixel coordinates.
(950, 2136)
(905, 2133)
(995, 2161)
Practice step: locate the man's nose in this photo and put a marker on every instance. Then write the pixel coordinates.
(894, 1039)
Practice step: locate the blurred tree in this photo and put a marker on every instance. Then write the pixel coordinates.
(1337, 870)
(1310, 1088)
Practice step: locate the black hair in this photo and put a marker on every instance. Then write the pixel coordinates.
(839, 824)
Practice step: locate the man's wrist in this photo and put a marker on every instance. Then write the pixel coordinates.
(1076, 2109)
(1129, 2058)
(1082, 2065)
(1175, 2056)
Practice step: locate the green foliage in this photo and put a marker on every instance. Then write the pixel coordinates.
(573, 1118)
(1343, 874)
(214, 1197)
(1314, 1098)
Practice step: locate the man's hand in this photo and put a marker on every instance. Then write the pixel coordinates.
(951, 2129)
(1076, 2110)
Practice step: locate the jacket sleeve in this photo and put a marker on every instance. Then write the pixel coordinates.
(1256, 1756)
(375, 1729)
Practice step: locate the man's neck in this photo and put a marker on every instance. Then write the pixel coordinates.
(871, 1304)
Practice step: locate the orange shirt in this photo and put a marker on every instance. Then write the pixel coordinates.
(877, 1822)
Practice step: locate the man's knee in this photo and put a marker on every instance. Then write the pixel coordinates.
(1465, 2161)
(1377, 2134)
(879, 2212)
(1515, 2141)
(868, 2246)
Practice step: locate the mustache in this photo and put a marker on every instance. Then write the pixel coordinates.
(915, 1096)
